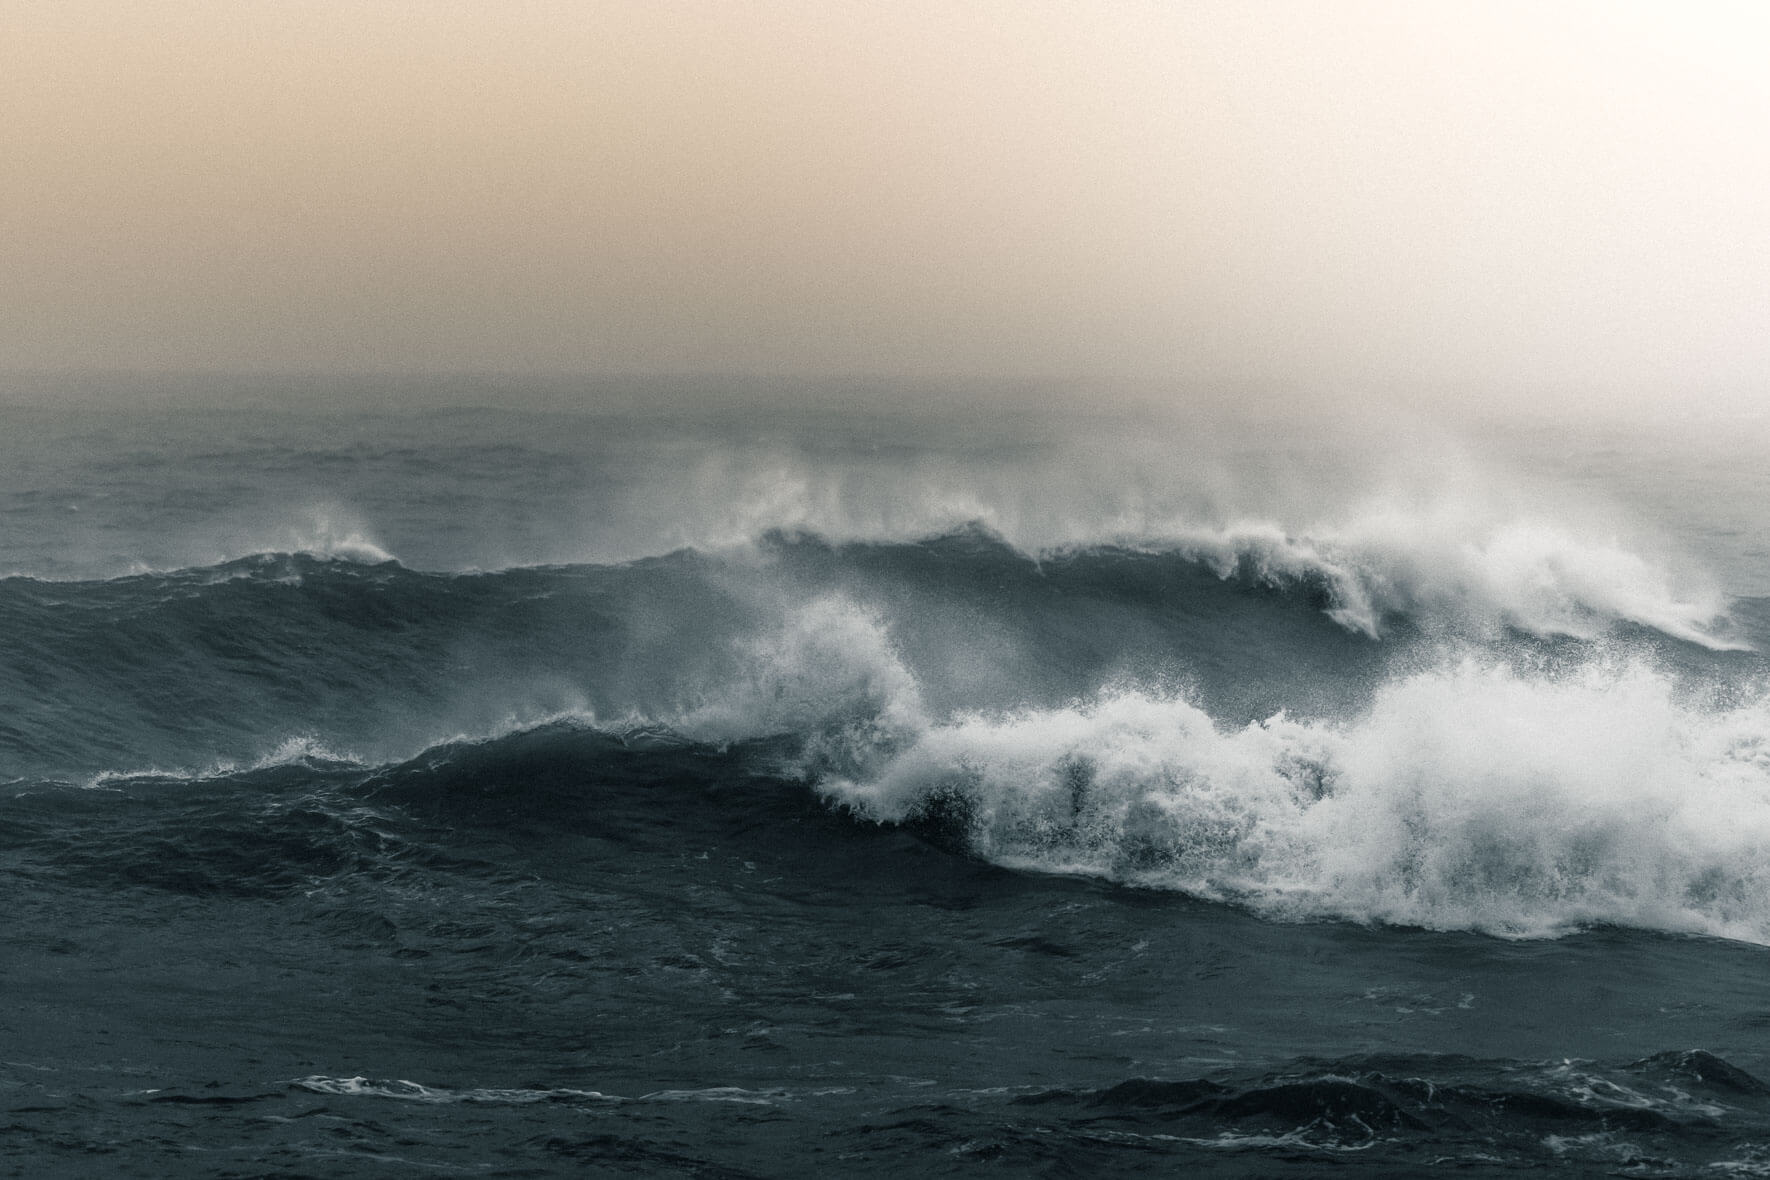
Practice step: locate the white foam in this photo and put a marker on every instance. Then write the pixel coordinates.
(1467, 797)
(303, 748)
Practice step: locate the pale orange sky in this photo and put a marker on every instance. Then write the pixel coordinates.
(1487, 197)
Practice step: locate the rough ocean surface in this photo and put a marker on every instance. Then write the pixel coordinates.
(510, 793)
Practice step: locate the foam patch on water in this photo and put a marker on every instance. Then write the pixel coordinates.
(404, 1091)
(1470, 796)
(401, 1090)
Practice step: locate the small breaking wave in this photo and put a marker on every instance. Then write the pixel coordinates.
(325, 534)
(302, 750)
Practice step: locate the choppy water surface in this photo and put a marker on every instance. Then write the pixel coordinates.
(500, 792)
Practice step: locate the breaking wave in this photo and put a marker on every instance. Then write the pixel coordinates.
(1523, 736)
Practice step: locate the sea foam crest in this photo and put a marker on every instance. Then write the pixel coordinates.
(1451, 543)
(1530, 575)
(330, 535)
(830, 673)
(1470, 796)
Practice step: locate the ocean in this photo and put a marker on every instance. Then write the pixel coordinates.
(498, 787)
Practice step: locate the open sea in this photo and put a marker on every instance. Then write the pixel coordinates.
(393, 788)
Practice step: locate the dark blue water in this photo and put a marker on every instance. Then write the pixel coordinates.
(512, 793)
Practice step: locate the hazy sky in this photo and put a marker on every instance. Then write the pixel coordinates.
(1481, 196)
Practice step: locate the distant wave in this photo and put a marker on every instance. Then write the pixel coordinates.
(1532, 576)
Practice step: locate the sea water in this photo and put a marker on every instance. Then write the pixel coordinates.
(507, 784)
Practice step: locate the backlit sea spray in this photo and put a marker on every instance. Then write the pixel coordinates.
(511, 792)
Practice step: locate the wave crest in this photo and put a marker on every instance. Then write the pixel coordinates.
(1530, 576)
(829, 674)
